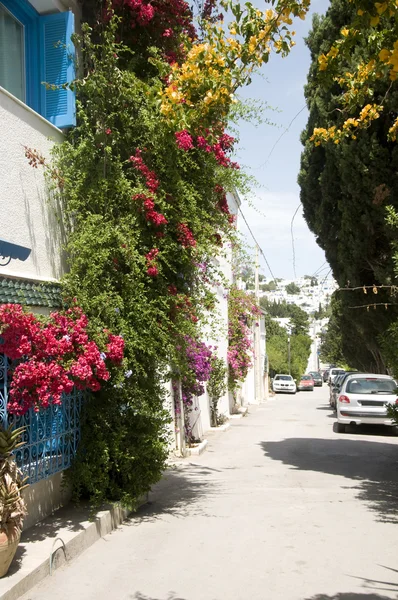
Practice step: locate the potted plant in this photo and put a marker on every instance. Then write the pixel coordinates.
(12, 505)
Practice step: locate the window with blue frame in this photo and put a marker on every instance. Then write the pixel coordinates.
(37, 59)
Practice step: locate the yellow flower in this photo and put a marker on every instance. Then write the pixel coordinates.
(323, 62)
(360, 12)
(381, 7)
(374, 20)
(333, 52)
(384, 55)
(345, 31)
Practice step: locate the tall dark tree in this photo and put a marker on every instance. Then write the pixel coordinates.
(344, 190)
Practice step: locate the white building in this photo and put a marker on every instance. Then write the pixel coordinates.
(32, 120)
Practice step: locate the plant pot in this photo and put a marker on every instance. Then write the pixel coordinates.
(8, 546)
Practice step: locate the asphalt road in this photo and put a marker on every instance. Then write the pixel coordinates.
(280, 507)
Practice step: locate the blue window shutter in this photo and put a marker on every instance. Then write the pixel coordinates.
(57, 68)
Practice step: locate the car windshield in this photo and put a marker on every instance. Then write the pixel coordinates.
(306, 377)
(337, 372)
(314, 374)
(371, 385)
(283, 377)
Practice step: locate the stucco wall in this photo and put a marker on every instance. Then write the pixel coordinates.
(27, 216)
(45, 497)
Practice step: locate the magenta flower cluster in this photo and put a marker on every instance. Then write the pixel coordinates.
(198, 357)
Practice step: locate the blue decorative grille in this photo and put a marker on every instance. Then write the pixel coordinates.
(51, 436)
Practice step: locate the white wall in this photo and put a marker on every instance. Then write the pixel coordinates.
(27, 218)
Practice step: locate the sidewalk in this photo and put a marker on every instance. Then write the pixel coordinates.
(57, 539)
(62, 537)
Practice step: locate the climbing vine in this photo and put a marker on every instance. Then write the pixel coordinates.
(144, 176)
(243, 313)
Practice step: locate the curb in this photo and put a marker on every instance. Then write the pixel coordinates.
(221, 427)
(243, 411)
(196, 451)
(69, 530)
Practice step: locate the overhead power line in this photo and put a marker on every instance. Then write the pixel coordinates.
(280, 137)
(293, 248)
(320, 269)
(327, 275)
(258, 245)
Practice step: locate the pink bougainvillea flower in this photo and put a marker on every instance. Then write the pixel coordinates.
(56, 356)
(152, 254)
(151, 180)
(185, 236)
(152, 271)
(184, 140)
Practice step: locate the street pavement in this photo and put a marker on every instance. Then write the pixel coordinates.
(280, 507)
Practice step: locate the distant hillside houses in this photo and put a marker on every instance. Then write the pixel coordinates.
(307, 292)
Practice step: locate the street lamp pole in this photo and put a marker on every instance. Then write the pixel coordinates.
(257, 344)
(288, 351)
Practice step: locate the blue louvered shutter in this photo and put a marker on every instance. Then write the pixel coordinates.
(57, 67)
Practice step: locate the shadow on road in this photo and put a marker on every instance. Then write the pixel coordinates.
(380, 585)
(372, 464)
(348, 596)
(179, 493)
(170, 596)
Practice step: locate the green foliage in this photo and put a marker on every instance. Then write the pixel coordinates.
(123, 447)
(277, 349)
(323, 312)
(344, 189)
(216, 387)
(268, 287)
(340, 343)
(242, 312)
(292, 288)
(299, 320)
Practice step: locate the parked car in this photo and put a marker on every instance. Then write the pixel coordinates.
(325, 375)
(306, 383)
(363, 399)
(284, 383)
(333, 373)
(317, 377)
(336, 386)
(334, 389)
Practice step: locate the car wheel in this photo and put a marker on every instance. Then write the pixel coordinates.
(341, 428)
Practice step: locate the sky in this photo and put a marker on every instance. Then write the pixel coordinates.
(270, 210)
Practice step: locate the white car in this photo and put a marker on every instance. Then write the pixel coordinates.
(284, 383)
(363, 399)
(333, 374)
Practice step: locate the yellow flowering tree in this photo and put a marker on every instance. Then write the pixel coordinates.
(360, 62)
(201, 89)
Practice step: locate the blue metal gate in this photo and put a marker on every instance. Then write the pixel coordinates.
(51, 436)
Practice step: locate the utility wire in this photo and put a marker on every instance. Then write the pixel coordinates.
(258, 246)
(320, 269)
(280, 137)
(327, 275)
(291, 233)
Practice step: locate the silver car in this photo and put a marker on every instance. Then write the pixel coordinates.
(363, 399)
(284, 383)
